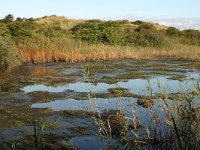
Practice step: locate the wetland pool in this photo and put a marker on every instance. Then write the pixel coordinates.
(61, 94)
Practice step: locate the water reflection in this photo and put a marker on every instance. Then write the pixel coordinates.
(135, 86)
(77, 87)
(91, 105)
(128, 105)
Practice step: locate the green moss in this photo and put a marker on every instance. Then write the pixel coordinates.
(51, 81)
(132, 75)
(19, 116)
(174, 69)
(141, 75)
(42, 97)
(178, 77)
(192, 65)
(106, 79)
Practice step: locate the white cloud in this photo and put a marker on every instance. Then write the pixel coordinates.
(181, 23)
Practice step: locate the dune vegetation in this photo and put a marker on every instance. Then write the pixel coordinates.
(9, 56)
(53, 38)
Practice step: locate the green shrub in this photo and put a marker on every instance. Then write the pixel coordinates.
(138, 22)
(94, 21)
(190, 37)
(146, 39)
(8, 54)
(8, 18)
(19, 19)
(25, 28)
(146, 27)
(4, 31)
(123, 21)
(171, 31)
(55, 31)
(28, 28)
(97, 32)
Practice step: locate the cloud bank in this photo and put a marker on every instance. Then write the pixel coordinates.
(180, 23)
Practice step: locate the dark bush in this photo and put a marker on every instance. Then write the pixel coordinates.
(19, 19)
(8, 18)
(171, 31)
(138, 22)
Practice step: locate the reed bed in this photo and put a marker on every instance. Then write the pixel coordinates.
(42, 49)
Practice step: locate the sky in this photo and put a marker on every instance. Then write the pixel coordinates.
(179, 13)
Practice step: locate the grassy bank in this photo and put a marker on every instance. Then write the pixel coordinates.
(52, 39)
(42, 49)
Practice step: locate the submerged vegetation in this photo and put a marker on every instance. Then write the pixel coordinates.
(52, 39)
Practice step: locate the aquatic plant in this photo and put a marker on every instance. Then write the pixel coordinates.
(38, 131)
(39, 128)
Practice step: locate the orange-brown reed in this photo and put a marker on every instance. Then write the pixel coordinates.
(44, 50)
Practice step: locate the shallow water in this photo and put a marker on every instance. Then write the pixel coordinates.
(89, 105)
(93, 142)
(76, 87)
(24, 86)
(127, 105)
(135, 86)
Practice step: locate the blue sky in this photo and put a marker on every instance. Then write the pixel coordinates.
(164, 11)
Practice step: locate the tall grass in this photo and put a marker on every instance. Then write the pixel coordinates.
(41, 49)
(179, 129)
